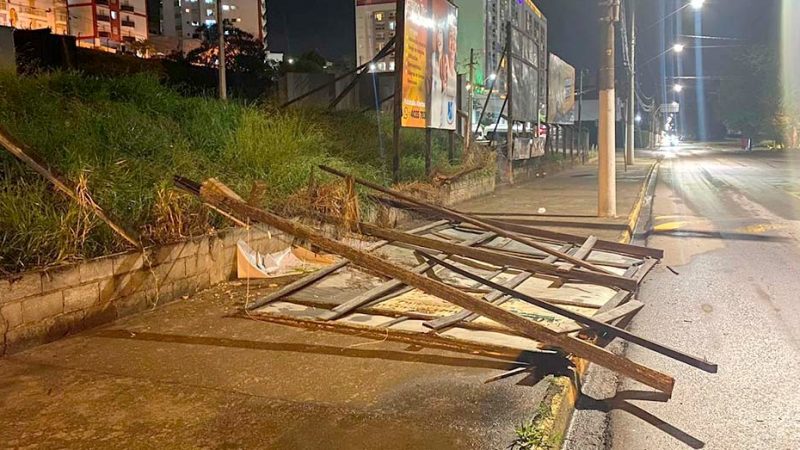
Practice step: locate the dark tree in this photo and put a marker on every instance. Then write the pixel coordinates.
(751, 99)
(243, 52)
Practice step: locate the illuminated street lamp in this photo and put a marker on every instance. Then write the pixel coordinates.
(638, 117)
(697, 4)
(678, 48)
(493, 77)
(290, 61)
(677, 88)
(372, 67)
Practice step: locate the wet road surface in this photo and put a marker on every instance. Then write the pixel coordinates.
(728, 290)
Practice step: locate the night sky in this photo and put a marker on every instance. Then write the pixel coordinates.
(328, 27)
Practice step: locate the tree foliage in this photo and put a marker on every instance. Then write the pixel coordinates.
(749, 98)
(243, 52)
(754, 99)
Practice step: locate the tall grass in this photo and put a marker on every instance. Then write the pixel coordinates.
(127, 136)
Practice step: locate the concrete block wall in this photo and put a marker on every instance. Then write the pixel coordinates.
(471, 186)
(42, 306)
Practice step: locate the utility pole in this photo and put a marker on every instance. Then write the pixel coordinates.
(581, 149)
(607, 182)
(468, 134)
(630, 134)
(223, 84)
(399, 45)
(510, 99)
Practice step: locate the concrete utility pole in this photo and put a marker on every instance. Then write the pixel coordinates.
(468, 134)
(581, 149)
(223, 84)
(399, 46)
(630, 136)
(607, 182)
(510, 100)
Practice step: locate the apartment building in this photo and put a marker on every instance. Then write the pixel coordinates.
(375, 26)
(182, 18)
(34, 14)
(107, 24)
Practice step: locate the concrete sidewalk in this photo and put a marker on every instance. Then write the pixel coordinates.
(189, 374)
(568, 200)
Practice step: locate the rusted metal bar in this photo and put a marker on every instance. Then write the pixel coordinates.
(24, 155)
(580, 348)
(455, 215)
(499, 259)
(312, 278)
(677, 355)
(388, 286)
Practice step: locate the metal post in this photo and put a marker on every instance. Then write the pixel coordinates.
(580, 119)
(510, 98)
(630, 134)
(607, 183)
(399, 49)
(571, 144)
(223, 84)
(468, 133)
(428, 151)
(451, 146)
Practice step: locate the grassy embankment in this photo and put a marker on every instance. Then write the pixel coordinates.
(122, 139)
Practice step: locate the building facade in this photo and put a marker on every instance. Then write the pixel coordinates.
(182, 18)
(375, 27)
(482, 31)
(108, 24)
(481, 27)
(34, 14)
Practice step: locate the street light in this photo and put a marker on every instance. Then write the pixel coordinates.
(697, 4)
(677, 88)
(290, 61)
(676, 48)
(638, 117)
(493, 77)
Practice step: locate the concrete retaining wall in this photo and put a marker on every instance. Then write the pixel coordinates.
(471, 186)
(42, 306)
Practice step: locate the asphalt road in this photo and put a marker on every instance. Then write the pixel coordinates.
(730, 224)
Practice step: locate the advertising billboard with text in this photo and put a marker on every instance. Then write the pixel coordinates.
(429, 64)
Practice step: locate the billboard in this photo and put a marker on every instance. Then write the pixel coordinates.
(525, 76)
(430, 82)
(561, 92)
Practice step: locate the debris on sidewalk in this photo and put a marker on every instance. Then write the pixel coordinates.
(481, 286)
(253, 265)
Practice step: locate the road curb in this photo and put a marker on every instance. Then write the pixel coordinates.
(564, 391)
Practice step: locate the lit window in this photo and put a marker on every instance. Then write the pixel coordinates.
(209, 13)
(210, 22)
(238, 19)
(188, 10)
(114, 15)
(379, 17)
(391, 25)
(226, 7)
(233, 7)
